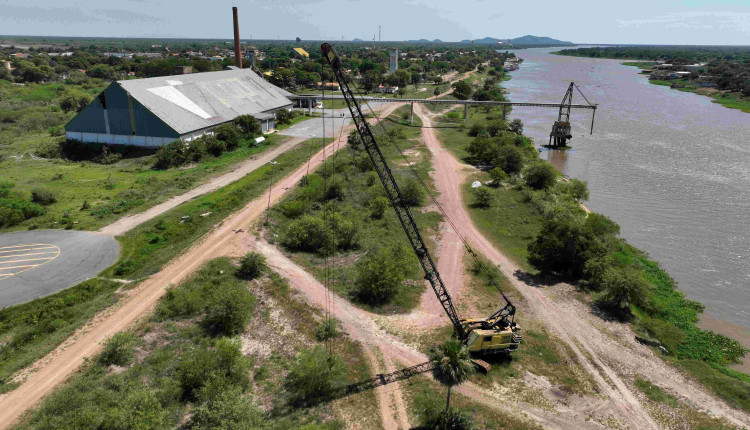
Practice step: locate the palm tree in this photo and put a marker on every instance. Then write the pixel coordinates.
(451, 365)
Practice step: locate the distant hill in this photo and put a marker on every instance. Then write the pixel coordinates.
(425, 41)
(357, 40)
(485, 41)
(524, 40)
(537, 40)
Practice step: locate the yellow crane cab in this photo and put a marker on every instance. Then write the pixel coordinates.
(500, 340)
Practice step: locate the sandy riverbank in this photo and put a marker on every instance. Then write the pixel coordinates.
(739, 333)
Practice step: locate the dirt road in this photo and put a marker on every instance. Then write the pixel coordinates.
(222, 241)
(131, 221)
(602, 356)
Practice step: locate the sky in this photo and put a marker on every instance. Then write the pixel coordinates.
(679, 22)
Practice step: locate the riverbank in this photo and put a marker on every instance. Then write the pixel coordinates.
(731, 100)
(738, 333)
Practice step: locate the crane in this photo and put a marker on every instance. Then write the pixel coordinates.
(561, 128)
(498, 333)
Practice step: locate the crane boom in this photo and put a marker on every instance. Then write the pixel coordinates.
(393, 192)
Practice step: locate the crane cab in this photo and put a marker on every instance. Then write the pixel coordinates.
(560, 134)
(494, 341)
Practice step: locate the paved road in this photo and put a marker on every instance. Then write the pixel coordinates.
(314, 126)
(36, 263)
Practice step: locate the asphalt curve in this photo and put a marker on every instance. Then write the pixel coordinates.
(36, 263)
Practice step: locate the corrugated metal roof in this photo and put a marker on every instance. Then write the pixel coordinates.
(302, 52)
(199, 100)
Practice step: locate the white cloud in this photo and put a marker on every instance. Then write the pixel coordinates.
(703, 20)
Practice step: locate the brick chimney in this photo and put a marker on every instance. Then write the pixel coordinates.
(237, 52)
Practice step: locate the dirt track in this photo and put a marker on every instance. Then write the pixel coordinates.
(131, 221)
(66, 359)
(604, 357)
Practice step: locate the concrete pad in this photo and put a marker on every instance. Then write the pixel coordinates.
(37, 263)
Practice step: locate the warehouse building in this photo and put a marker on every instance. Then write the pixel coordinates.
(156, 111)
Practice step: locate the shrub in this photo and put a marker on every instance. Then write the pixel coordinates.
(74, 101)
(314, 376)
(440, 419)
(284, 116)
(380, 275)
(230, 309)
(498, 175)
(622, 287)
(294, 208)
(210, 371)
(327, 330)
(335, 188)
(140, 409)
(343, 230)
(412, 193)
(229, 410)
(252, 265)
(214, 146)
(478, 129)
(119, 349)
(540, 176)
(495, 127)
(229, 134)
(517, 126)
(43, 197)
(378, 206)
(483, 197)
(579, 190)
(307, 233)
(249, 126)
(172, 154)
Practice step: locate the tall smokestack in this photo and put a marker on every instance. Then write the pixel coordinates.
(237, 52)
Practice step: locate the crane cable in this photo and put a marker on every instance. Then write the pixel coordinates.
(490, 275)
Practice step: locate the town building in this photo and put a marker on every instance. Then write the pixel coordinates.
(156, 111)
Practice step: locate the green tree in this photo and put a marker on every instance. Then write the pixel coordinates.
(378, 205)
(248, 125)
(380, 274)
(462, 90)
(229, 410)
(206, 372)
(229, 134)
(517, 126)
(412, 193)
(509, 158)
(540, 176)
(230, 310)
(498, 175)
(314, 376)
(451, 365)
(484, 197)
(622, 287)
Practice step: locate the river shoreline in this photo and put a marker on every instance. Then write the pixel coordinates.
(733, 331)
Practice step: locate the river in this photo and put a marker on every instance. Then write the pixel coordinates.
(672, 168)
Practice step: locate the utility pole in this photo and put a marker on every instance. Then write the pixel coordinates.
(379, 39)
(268, 208)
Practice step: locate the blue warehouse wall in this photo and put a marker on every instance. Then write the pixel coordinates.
(91, 119)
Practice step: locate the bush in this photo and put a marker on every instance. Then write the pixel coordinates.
(495, 127)
(284, 116)
(344, 231)
(540, 176)
(477, 129)
(498, 176)
(173, 154)
(214, 146)
(327, 330)
(252, 265)
(229, 134)
(579, 189)
(378, 206)
(14, 209)
(509, 158)
(622, 287)
(43, 197)
(207, 372)
(229, 410)
(74, 101)
(484, 197)
(315, 376)
(440, 419)
(140, 409)
(563, 245)
(249, 126)
(230, 309)
(307, 233)
(119, 350)
(412, 193)
(380, 275)
(517, 126)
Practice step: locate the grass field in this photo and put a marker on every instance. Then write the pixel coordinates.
(30, 331)
(172, 353)
(89, 195)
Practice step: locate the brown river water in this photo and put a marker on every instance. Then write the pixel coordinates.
(672, 168)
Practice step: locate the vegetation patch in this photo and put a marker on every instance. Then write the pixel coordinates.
(338, 221)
